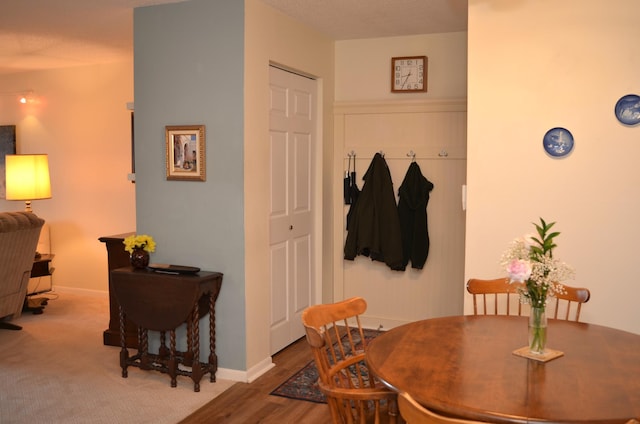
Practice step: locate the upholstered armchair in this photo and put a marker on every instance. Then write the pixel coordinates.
(19, 233)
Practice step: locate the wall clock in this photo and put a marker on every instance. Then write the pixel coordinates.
(409, 74)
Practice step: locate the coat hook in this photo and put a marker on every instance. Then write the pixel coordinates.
(443, 153)
(381, 153)
(412, 155)
(351, 154)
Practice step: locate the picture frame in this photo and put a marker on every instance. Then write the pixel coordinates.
(7, 147)
(186, 152)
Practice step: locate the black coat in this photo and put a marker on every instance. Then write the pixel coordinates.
(374, 228)
(413, 197)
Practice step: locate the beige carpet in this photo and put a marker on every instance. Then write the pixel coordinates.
(57, 370)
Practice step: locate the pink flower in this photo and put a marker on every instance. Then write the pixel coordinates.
(519, 270)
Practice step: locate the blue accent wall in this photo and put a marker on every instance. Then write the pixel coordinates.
(189, 70)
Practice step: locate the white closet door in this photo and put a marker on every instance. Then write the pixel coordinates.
(291, 136)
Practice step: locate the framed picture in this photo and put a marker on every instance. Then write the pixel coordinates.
(7, 147)
(185, 153)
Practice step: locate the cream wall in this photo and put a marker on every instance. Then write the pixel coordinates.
(273, 37)
(369, 118)
(538, 65)
(363, 67)
(82, 122)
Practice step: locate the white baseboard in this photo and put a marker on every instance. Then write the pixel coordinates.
(246, 376)
(259, 369)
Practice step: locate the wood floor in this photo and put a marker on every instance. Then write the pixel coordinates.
(248, 403)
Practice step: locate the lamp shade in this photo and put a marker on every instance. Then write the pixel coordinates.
(27, 177)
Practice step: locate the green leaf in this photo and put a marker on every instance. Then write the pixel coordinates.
(552, 235)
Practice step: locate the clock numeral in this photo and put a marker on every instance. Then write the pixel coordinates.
(409, 62)
(397, 68)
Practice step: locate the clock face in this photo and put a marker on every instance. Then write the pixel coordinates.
(409, 74)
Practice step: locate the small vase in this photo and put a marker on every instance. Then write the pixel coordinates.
(139, 258)
(537, 330)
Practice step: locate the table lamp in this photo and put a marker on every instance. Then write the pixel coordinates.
(27, 178)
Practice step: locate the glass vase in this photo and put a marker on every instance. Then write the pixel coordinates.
(139, 258)
(537, 330)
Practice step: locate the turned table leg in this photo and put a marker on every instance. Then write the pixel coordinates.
(196, 368)
(124, 353)
(163, 351)
(143, 348)
(213, 358)
(172, 365)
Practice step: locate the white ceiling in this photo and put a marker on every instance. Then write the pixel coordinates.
(47, 34)
(351, 19)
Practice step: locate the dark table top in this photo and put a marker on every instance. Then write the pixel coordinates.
(160, 301)
(464, 366)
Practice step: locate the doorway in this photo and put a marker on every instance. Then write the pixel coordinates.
(292, 139)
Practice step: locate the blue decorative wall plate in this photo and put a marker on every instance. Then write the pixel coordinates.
(558, 142)
(628, 109)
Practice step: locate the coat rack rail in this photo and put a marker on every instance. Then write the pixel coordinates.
(410, 154)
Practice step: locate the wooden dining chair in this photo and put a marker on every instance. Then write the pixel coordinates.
(414, 413)
(338, 342)
(500, 297)
(568, 305)
(495, 297)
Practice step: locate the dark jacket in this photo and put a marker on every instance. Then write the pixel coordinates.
(413, 197)
(374, 229)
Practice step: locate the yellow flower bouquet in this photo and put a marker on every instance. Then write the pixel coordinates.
(143, 241)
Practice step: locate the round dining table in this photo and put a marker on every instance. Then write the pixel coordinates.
(465, 367)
